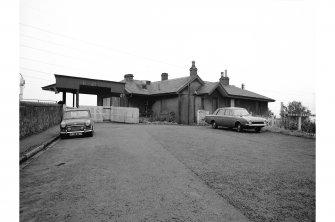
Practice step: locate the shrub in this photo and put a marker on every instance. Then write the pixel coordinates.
(172, 117)
(308, 126)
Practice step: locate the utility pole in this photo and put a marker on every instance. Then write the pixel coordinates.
(22, 83)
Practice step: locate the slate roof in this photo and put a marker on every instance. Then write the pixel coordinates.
(208, 88)
(236, 91)
(159, 87)
(232, 91)
(174, 85)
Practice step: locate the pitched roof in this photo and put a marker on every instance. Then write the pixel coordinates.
(174, 85)
(159, 87)
(169, 86)
(232, 91)
(238, 92)
(207, 88)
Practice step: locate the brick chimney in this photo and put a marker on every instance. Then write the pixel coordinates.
(128, 77)
(224, 80)
(193, 69)
(165, 76)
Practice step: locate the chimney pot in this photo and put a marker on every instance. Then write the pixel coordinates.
(128, 77)
(165, 76)
(224, 80)
(193, 69)
(243, 86)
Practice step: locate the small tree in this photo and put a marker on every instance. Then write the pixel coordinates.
(294, 107)
(269, 113)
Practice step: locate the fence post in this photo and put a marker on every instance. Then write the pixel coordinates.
(299, 123)
(272, 120)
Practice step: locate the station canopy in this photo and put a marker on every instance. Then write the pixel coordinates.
(71, 84)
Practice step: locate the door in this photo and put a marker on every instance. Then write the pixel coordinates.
(221, 117)
(106, 113)
(229, 118)
(215, 103)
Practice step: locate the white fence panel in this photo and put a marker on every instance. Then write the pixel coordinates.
(114, 114)
(124, 114)
(201, 116)
(96, 112)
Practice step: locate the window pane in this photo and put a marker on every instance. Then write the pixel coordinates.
(221, 112)
(76, 114)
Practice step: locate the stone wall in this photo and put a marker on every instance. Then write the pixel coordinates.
(36, 117)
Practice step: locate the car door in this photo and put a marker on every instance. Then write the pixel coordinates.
(220, 117)
(229, 118)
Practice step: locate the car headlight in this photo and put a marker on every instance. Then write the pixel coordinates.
(88, 122)
(63, 124)
(250, 122)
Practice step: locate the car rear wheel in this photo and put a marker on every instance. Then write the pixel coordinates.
(238, 127)
(214, 125)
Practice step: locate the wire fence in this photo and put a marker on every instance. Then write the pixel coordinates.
(307, 124)
(39, 100)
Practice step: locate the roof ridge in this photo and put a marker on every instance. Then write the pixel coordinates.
(171, 79)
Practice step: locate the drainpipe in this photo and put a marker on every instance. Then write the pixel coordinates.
(188, 105)
(77, 98)
(179, 108)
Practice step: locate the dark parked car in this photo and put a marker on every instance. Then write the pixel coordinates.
(235, 117)
(76, 122)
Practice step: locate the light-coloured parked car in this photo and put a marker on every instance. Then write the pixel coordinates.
(77, 122)
(235, 117)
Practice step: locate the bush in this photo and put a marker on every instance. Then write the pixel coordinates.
(290, 124)
(308, 126)
(172, 117)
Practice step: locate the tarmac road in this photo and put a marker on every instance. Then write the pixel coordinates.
(123, 173)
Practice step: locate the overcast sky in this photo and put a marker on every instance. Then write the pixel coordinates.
(269, 45)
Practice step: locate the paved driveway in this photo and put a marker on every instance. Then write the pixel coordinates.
(171, 173)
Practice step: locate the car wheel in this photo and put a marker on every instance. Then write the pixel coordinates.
(214, 125)
(238, 127)
(62, 136)
(90, 134)
(257, 129)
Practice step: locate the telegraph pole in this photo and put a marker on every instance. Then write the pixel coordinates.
(22, 83)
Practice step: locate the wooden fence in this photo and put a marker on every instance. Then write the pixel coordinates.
(114, 114)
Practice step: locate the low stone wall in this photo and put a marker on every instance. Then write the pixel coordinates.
(36, 117)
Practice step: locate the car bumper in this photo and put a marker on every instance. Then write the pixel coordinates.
(78, 132)
(253, 126)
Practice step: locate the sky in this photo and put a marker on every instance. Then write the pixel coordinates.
(269, 45)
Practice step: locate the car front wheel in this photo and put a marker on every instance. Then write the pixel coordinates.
(238, 127)
(90, 134)
(214, 125)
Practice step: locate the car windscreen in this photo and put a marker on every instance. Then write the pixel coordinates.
(76, 114)
(241, 112)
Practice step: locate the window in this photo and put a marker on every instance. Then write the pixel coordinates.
(229, 112)
(241, 112)
(215, 103)
(164, 106)
(221, 112)
(202, 103)
(76, 114)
